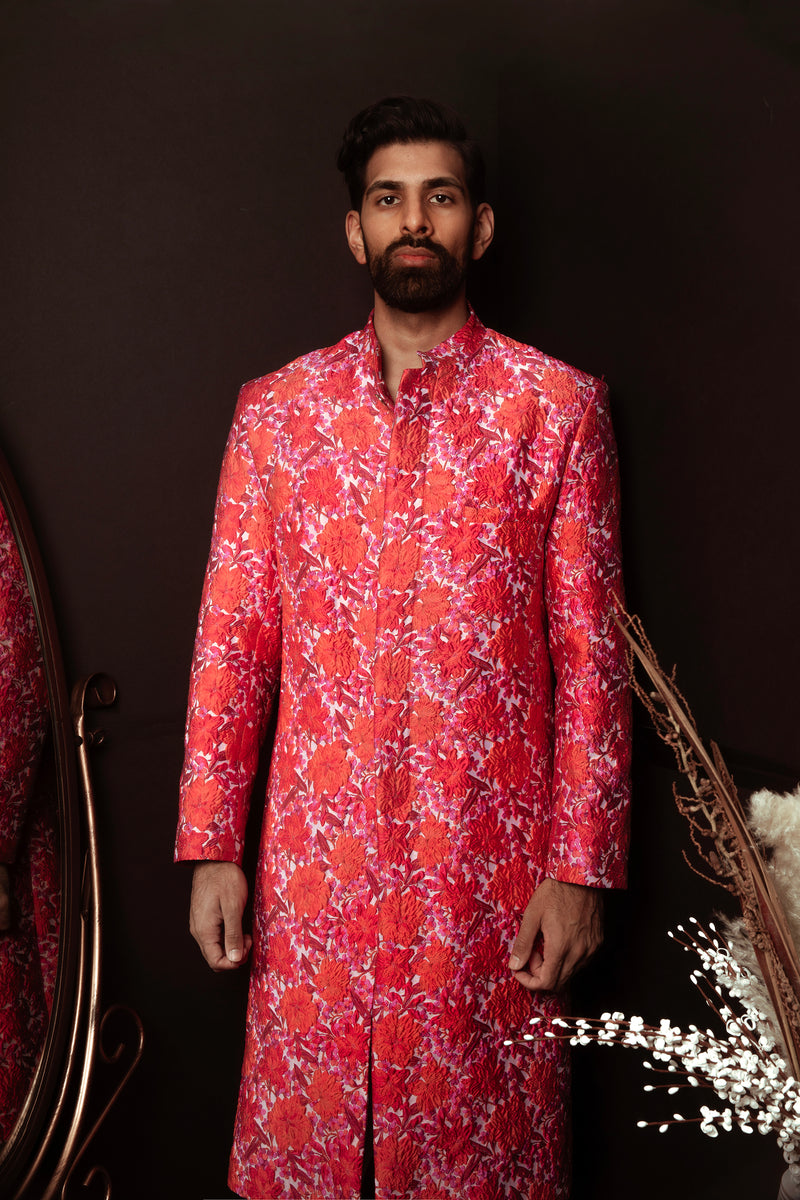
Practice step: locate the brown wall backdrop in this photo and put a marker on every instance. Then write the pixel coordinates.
(172, 226)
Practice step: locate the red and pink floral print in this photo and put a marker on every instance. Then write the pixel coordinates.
(432, 582)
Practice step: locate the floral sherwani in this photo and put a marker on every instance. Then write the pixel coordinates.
(432, 583)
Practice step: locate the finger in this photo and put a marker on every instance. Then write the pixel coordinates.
(527, 976)
(564, 970)
(206, 929)
(523, 948)
(214, 953)
(576, 955)
(534, 963)
(234, 936)
(544, 970)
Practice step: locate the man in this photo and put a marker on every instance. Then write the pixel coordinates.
(416, 530)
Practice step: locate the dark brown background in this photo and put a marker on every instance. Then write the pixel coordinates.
(172, 226)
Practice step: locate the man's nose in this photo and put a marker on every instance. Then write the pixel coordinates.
(415, 218)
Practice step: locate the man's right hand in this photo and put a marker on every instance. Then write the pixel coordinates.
(219, 894)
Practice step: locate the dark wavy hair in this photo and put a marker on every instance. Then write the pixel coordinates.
(406, 119)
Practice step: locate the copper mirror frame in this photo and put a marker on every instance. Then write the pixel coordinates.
(45, 1152)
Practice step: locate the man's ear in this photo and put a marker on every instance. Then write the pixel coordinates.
(355, 236)
(483, 230)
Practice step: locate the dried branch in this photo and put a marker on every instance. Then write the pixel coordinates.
(722, 836)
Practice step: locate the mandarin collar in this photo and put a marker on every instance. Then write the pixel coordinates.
(459, 347)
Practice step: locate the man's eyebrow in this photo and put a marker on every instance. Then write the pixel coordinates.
(445, 181)
(384, 185)
(396, 185)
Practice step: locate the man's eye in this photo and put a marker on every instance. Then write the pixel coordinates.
(441, 198)
(387, 201)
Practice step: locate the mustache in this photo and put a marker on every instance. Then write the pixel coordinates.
(417, 243)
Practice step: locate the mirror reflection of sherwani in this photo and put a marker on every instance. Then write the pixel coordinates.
(432, 583)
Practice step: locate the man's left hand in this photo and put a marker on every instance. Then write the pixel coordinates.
(560, 930)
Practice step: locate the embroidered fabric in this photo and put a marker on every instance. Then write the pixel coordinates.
(433, 585)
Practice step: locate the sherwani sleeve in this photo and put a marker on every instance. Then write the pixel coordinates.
(583, 580)
(236, 662)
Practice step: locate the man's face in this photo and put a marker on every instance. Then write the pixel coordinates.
(417, 230)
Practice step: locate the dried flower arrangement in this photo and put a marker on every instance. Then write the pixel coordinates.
(748, 973)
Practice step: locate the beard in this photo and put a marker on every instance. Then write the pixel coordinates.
(416, 289)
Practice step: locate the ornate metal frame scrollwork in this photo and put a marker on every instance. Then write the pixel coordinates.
(45, 1155)
(65, 1139)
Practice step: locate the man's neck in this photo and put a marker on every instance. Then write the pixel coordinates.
(403, 336)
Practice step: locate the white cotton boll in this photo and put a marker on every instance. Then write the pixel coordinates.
(776, 820)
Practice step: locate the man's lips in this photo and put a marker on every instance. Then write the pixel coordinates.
(412, 255)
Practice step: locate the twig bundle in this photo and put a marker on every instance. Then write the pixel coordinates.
(724, 840)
